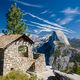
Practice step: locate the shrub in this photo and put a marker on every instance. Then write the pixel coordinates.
(17, 75)
(56, 54)
(78, 70)
(33, 77)
(77, 57)
(1, 78)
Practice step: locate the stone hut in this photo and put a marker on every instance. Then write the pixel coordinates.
(16, 54)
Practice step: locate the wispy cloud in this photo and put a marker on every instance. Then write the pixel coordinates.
(46, 11)
(69, 15)
(46, 21)
(48, 28)
(27, 4)
(41, 29)
(71, 11)
(58, 19)
(52, 15)
(66, 20)
(36, 31)
(42, 25)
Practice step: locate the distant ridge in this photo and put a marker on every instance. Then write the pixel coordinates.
(75, 42)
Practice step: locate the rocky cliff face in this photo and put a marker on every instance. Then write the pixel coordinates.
(64, 59)
(48, 45)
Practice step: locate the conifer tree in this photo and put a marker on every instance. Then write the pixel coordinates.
(14, 23)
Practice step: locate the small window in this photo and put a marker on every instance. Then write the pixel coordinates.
(23, 50)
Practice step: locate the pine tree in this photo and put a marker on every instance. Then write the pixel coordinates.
(14, 23)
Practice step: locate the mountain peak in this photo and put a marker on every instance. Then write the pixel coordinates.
(59, 35)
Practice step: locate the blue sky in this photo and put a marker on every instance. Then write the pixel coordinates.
(45, 16)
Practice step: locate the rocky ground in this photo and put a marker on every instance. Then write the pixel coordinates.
(45, 75)
(70, 76)
(49, 73)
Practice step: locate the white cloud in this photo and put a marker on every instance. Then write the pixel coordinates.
(71, 11)
(36, 31)
(69, 15)
(46, 21)
(57, 20)
(66, 20)
(48, 11)
(43, 25)
(46, 30)
(52, 15)
(44, 12)
(40, 29)
(27, 4)
(43, 30)
(48, 26)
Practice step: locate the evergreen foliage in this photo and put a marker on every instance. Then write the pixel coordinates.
(14, 23)
(77, 57)
(57, 53)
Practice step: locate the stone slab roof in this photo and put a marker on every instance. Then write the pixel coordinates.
(7, 39)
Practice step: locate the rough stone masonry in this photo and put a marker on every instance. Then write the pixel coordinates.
(11, 58)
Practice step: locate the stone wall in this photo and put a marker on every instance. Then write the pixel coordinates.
(13, 60)
(1, 60)
(40, 65)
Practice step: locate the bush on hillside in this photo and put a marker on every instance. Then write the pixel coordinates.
(17, 75)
